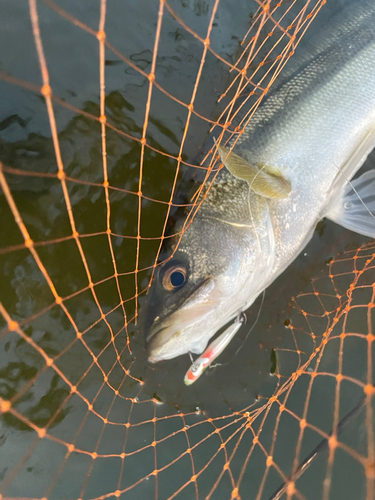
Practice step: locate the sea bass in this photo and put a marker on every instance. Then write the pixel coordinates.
(290, 168)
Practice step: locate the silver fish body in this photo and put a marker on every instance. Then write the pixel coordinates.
(317, 128)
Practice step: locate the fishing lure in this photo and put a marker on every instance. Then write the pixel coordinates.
(213, 351)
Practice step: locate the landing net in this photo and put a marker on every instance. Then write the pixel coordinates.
(105, 107)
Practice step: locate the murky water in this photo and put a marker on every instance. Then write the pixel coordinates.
(25, 143)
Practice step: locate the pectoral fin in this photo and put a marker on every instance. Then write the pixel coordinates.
(356, 211)
(266, 183)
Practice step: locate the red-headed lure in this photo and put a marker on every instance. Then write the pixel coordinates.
(213, 351)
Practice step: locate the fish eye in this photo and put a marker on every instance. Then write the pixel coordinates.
(174, 277)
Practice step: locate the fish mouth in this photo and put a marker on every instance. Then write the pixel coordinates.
(159, 337)
(198, 303)
(152, 343)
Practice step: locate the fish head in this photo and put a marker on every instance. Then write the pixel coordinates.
(202, 287)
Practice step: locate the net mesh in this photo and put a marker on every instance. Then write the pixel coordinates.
(106, 108)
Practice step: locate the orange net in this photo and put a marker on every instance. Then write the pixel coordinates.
(105, 107)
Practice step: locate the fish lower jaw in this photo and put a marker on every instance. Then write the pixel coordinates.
(153, 359)
(160, 349)
(156, 358)
(170, 348)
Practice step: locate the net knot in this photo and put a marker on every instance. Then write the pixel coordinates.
(234, 493)
(46, 90)
(5, 406)
(101, 35)
(12, 326)
(290, 489)
(42, 433)
(370, 470)
(369, 389)
(332, 442)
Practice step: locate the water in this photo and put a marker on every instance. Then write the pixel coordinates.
(152, 403)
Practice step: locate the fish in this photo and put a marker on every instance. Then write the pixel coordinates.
(292, 166)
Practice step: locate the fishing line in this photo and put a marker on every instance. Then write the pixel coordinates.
(357, 194)
(371, 132)
(253, 325)
(247, 335)
(348, 180)
(340, 170)
(217, 144)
